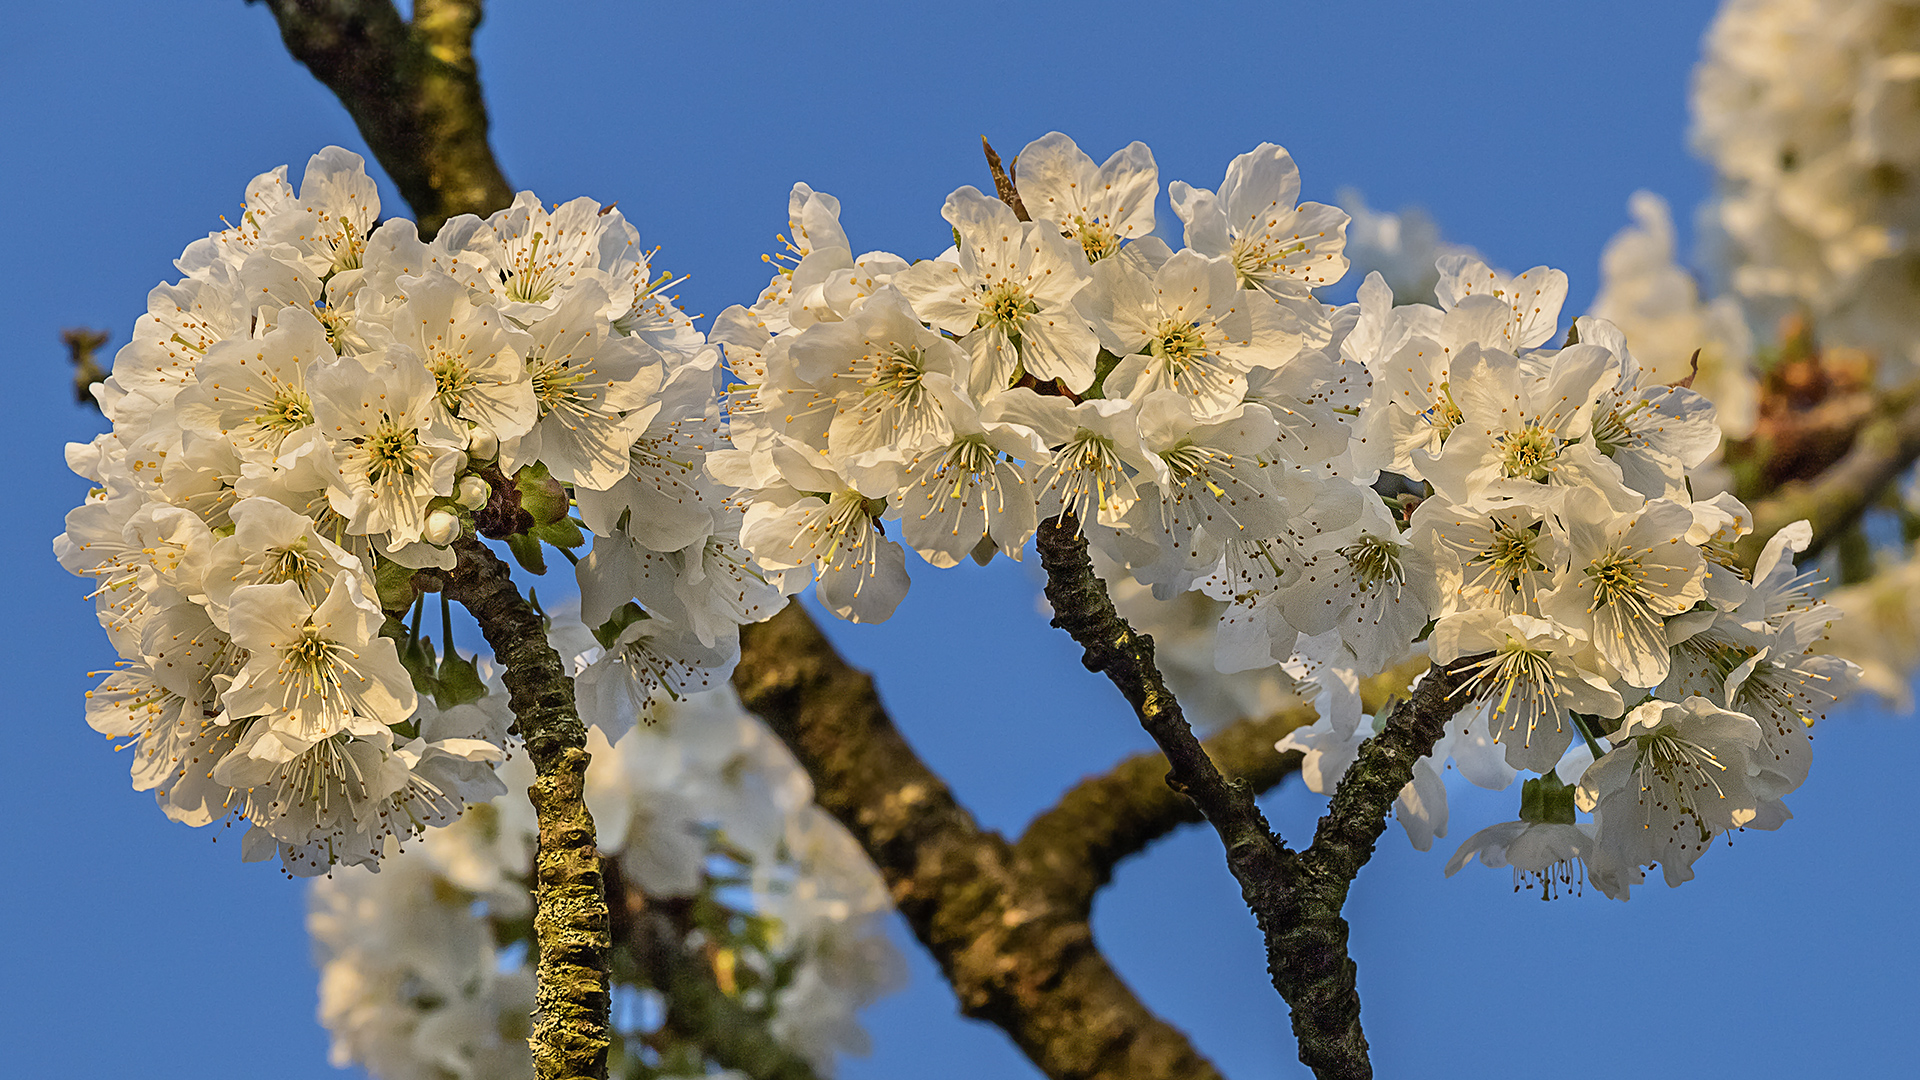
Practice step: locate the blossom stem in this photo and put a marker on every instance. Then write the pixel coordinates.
(1580, 725)
(446, 627)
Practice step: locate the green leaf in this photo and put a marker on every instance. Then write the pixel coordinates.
(526, 552)
(1103, 365)
(541, 495)
(563, 533)
(1546, 800)
(416, 655)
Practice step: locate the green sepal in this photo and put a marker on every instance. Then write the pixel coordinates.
(623, 616)
(417, 656)
(458, 682)
(541, 495)
(1545, 800)
(526, 552)
(1103, 365)
(393, 584)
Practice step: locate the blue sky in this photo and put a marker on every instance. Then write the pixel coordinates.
(137, 945)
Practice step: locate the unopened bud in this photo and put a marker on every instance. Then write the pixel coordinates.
(442, 528)
(473, 492)
(483, 446)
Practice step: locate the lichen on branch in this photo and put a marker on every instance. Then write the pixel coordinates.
(571, 1032)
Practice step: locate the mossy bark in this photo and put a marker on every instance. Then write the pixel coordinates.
(571, 1032)
(413, 89)
(1017, 955)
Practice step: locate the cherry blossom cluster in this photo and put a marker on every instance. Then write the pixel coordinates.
(1073, 363)
(1809, 111)
(426, 968)
(321, 407)
(1348, 484)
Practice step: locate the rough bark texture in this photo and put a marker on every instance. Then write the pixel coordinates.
(1306, 935)
(1016, 955)
(1295, 897)
(571, 1034)
(414, 91)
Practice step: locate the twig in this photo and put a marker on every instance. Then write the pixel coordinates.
(82, 343)
(1106, 818)
(1002, 183)
(1295, 898)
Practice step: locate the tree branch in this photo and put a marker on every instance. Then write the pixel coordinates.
(1307, 940)
(414, 91)
(571, 1034)
(1107, 818)
(1112, 647)
(1295, 898)
(1015, 954)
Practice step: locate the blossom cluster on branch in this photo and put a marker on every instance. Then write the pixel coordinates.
(318, 409)
(1350, 482)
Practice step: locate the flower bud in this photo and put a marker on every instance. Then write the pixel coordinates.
(442, 528)
(473, 492)
(484, 445)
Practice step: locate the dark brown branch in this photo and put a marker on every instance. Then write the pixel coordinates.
(571, 1034)
(414, 91)
(1307, 941)
(650, 944)
(1106, 818)
(1296, 899)
(1112, 647)
(1015, 955)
